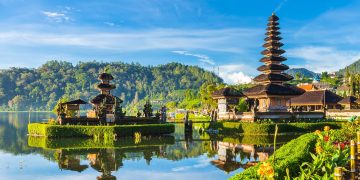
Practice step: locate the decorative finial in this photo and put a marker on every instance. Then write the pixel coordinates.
(273, 14)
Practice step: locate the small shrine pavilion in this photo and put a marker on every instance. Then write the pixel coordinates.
(272, 94)
(227, 97)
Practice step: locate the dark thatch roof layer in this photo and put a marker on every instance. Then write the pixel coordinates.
(316, 98)
(273, 77)
(106, 86)
(273, 17)
(272, 23)
(272, 51)
(272, 58)
(273, 33)
(106, 76)
(272, 28)
(273, 38)
(279, 67)
(349, 100)
(274, 89)
(227, 92)
(273, 44)
(78, 101)
(109, 99)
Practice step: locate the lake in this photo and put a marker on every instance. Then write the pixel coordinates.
(196, 156)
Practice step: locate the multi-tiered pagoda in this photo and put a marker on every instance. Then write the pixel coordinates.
(271, 92)
(105, 98)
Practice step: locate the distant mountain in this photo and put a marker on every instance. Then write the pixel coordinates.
(352, 68)
(302, 71)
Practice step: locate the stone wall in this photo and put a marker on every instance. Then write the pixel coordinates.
(249, 116)
(342, 114)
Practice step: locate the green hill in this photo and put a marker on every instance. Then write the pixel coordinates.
(352, 68)
(302, 72)
(40, 88)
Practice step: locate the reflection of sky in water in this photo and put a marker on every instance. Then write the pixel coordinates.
(18, 161)
(37, 167)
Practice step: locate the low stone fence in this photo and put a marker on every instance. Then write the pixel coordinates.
(243, 116)
(249, 116)
(342, 114)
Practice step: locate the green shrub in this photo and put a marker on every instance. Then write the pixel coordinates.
(42, 129)
(269, 128)
(290, 156)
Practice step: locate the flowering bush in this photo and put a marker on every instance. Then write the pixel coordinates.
(329, 153)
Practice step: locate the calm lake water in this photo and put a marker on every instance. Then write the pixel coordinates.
(196, 156)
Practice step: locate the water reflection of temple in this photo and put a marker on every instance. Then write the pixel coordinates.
(104, 161)
(70, 162)
(231, 156)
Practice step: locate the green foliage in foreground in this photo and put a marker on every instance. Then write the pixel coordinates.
(290, 156)
(81, 143)
(269, 128)
(42, 129)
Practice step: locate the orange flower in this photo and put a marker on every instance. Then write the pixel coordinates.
(317, 132)
(266, 170)
(318, 149)
(326, 128)
(326, 138)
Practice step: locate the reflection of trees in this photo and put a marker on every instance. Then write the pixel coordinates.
(13, 131)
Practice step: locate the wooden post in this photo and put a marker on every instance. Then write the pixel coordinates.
(352, 159)
(338, 173)
(358, 142)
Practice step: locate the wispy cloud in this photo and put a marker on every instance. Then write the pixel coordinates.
(223, 40)
(111, 24)
(201, 57)
(56, 16)
(319, 58)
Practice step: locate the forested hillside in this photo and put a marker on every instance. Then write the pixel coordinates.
(40, 88)
(350, 69)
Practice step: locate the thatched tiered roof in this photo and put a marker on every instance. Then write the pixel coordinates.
(106, 76)
(272, 80)
(227, 92)
(77, 101)
(318, 97)
(349, 100)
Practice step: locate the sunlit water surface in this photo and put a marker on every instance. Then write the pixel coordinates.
(172, 157)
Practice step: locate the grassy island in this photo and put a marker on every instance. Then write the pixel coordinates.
(56, 131)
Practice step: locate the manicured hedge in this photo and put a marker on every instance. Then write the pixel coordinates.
(256, 139)
(269, 128)
(290, 156)
(81, 143)
(43, 129)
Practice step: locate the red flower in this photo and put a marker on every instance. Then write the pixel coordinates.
(342, 146)
(326, 138)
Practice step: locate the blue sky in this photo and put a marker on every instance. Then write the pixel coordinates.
(321, 35)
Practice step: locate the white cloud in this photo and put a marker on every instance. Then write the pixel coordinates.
(56, 16)
(221, 40)
(319, 58)
(201, 57)
(234, 73)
